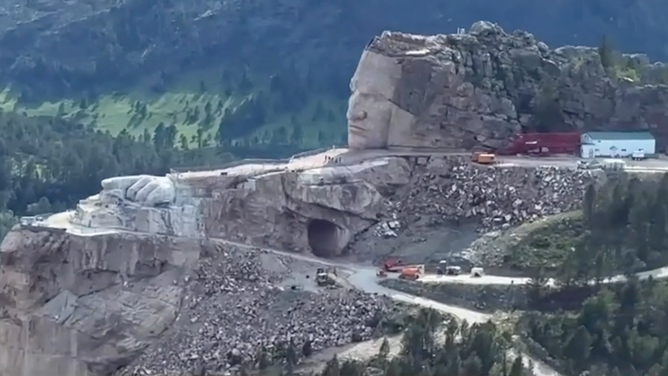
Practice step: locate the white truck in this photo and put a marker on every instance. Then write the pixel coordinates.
(638, 155)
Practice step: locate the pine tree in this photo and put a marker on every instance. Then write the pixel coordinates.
(517, 369)
(606, 52)
(579, 346)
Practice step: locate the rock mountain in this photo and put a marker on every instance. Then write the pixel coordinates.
(113, 282)
(459, 91)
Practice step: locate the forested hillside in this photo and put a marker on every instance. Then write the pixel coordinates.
(431, 345)
(621, 229)
(621, 331)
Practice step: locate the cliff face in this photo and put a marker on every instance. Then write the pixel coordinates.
(86, 305)
(458, 91)
(79, 305)
(58, 49)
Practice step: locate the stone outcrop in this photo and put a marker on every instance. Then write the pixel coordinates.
(281, 206)
(105, 284)
(459, 91)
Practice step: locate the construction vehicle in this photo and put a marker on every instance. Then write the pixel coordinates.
(393, 265)
(483, 158)
(325, 277)
(410, 273)
(442, 265)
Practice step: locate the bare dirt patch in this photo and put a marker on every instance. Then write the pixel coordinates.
(423, 239)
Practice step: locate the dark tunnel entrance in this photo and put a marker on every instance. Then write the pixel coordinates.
(323, 238)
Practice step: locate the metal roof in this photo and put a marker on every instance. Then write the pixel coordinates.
(631, 135)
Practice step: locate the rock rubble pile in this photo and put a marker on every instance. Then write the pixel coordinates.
(235, 307)
(498, 197)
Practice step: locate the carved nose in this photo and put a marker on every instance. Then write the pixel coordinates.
(358, 115)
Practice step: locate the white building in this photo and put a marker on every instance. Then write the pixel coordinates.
(616, 144)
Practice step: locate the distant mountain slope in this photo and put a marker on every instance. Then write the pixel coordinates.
(293, 58)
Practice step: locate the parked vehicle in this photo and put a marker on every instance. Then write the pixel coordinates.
(638, 155)
(393, 265)
(453, 270)
(483, 158)
(326, 277)
(410, 273)
(543, 144)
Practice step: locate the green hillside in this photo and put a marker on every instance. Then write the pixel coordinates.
(203, 105)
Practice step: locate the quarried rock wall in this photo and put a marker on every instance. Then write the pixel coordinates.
(320, 210)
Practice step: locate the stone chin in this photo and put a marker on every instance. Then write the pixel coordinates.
(146, 190)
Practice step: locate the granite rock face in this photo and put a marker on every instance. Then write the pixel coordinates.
(459, 91)
(89, 305)
(281, 206)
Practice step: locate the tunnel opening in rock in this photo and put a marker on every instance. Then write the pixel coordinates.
(323, 238)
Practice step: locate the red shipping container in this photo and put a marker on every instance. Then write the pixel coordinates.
(543, 143)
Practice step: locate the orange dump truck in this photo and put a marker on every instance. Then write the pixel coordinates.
(483, 158)
(411, 273)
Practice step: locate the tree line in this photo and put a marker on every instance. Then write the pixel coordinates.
(610, 330)
(621, 330)
(431, 345)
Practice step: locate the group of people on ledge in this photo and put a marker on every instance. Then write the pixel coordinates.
(330, 159)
